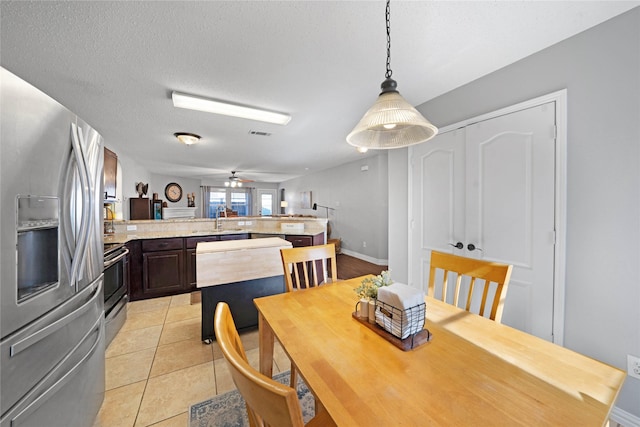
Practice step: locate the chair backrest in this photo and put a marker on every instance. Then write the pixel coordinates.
(268, 401)
(309, 266)
(488, 272)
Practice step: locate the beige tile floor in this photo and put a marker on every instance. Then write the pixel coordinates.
(157, 367)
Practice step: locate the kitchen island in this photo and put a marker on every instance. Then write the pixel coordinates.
(237, 272)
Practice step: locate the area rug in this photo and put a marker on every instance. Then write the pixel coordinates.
(229, 410)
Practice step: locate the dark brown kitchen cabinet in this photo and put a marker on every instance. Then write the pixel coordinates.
(110, 173)
(162, 267)
(304, 240)
(167, 266)
(190, 253)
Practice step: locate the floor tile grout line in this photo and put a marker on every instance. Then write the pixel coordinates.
(151, 368)
(146, 382)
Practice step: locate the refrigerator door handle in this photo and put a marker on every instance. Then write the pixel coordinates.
(33, 406)
(32, 339)
(79, 253)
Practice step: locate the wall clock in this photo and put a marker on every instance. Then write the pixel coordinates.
(173, 191)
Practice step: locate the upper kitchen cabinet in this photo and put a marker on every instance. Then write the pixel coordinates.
(110, 173)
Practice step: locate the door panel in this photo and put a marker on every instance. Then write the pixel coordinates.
(500, 222)
(514, 198)
(437, 194)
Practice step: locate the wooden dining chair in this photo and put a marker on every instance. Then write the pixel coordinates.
(308, 266)
(269, 403)
(480, 273)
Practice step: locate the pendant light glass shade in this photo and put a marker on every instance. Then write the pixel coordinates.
(391, 123)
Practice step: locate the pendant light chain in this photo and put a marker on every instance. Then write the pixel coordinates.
(388, 17)
(391, 122)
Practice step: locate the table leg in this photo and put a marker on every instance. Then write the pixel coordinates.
(266, 339)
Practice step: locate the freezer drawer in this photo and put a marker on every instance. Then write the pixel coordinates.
(71, 394)
(34, 352)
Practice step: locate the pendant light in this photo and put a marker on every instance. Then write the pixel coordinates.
(391, 122)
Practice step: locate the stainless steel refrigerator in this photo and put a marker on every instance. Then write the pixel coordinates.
(51, 302)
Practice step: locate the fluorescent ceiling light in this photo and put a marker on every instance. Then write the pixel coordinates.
(192, 102)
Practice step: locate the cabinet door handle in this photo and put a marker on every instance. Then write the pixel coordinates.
(458, 245)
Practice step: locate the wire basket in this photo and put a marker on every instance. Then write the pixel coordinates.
(400, 323)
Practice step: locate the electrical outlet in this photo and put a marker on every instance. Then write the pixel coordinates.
(633, 366)
(132, 227)
(364, 244)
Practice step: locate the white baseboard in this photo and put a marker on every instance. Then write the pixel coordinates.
(624, 418)
(365, 257)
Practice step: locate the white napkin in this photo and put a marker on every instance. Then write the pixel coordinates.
(402, 297)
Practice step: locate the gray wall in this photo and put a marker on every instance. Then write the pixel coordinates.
(398, 215)
(360, 199)
(601, 70)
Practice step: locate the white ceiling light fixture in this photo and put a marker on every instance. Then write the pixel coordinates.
(391, 122)
(199, 103)
(187, 138)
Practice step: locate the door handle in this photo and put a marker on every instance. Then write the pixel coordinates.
(458, 245)
(473, 247)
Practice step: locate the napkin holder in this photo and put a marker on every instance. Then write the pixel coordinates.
(400, 310)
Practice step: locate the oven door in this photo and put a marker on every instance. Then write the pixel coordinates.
(115, 278)
(115, 292)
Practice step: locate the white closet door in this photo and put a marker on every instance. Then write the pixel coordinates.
(437, 201)
(507, 206)
(510, 209)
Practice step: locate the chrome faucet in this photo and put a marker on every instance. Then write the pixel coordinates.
(223, 209)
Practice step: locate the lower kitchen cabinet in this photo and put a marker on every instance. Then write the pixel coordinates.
(162, 272)
(190, 253)
(162, 267)
(303, 240)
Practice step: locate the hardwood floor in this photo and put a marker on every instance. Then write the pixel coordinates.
(350, 267)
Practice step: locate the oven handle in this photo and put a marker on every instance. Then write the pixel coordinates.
(109, 263)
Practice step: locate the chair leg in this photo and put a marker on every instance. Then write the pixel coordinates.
(294, 378)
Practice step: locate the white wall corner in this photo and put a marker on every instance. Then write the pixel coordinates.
(367, 258)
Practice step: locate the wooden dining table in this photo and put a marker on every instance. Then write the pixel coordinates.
(473, 372)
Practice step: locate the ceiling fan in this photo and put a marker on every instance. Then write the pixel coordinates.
(235, 181)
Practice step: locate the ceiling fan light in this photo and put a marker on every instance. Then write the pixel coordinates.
(199, 103)
(187, 138)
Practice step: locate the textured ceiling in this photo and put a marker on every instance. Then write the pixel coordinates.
(116, 64)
